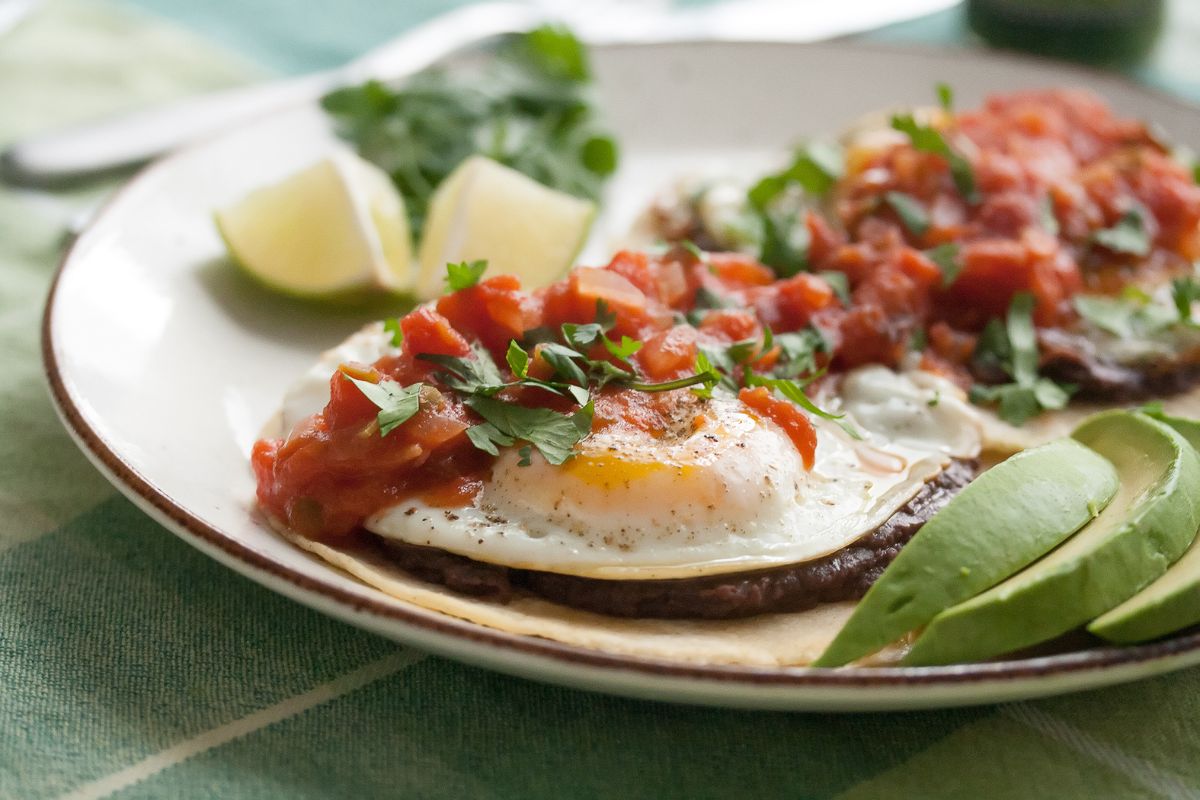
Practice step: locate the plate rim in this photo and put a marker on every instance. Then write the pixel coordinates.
(320, 595)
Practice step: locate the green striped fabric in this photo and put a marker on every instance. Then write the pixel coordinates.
(133, 666)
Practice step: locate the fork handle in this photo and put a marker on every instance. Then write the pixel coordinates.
(121, 141)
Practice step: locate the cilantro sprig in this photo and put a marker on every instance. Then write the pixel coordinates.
(397, 404)
(1012, 347)
(530, 110)
(783, 236)
(464, 275)
(1130, 235)
(927, 139)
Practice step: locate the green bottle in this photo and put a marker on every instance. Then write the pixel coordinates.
(1094, 31)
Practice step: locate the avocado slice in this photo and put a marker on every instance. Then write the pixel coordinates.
(1009, 516)
(1146, 527)
(1173, 601)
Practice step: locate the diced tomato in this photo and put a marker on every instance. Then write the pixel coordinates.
(787, 416)
(617, 291)
(731, 324)
(823, 241)
(669, 354)
(737, 271)
(348, 406)
(494, 311)
(426, 331)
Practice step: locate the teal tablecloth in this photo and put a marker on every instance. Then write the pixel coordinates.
(131, 664)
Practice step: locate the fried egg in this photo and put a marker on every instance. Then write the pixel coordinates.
(726, 491)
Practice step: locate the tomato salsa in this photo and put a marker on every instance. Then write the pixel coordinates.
(1051, 173)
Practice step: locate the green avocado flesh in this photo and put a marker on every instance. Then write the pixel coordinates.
(1146, 527)
(1011, 515)
(1171, 602)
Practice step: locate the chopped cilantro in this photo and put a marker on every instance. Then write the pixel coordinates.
(1012, 346)
(562, 360)
(1022, 338)
(529, 109)
(815, 169)
(946, 257)
(929, 140)
(785, 242)
(918, 340)
(464, 275)
(910, 211)
(623, 349)
(1184, 292)
(945, 96)
(1126, 317)
(518, 359)
(475, 375)
(799, 352)
(488, 438)
(1047, 216)
(839, 283)
(553, 51)
(553, 434)
(392, 326)
(397, 404)
(1128, 235)
(693, 248)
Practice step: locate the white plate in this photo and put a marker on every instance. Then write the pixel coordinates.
(164, 363)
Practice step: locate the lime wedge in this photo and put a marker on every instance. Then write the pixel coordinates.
(484, 210)
(336, 227)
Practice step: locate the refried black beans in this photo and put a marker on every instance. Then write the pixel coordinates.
(843, 575)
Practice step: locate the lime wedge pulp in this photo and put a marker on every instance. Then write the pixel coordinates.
(338, 226)
(485, 210)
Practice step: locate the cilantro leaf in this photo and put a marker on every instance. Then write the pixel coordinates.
(785, 242)
(1022, 339)
(477, 374)
(582, 335)
(918, 340)
(815, 169)
(562, 360)
(554, 51)
(1184, 292)
(1047, 216)
(1107, 313)
(1012, 346)
(488, 438)
(945, 96)
(799, 352)
(910, 211)
(1017, 403)
(623, 350)
(946, 257)
(526, 456)
(392, 326)
(518, 359)
(839, 283)
(929, 140)
(1128, 235)
(465, 274)
(693, 249)
(397, 404)
(553, 434)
